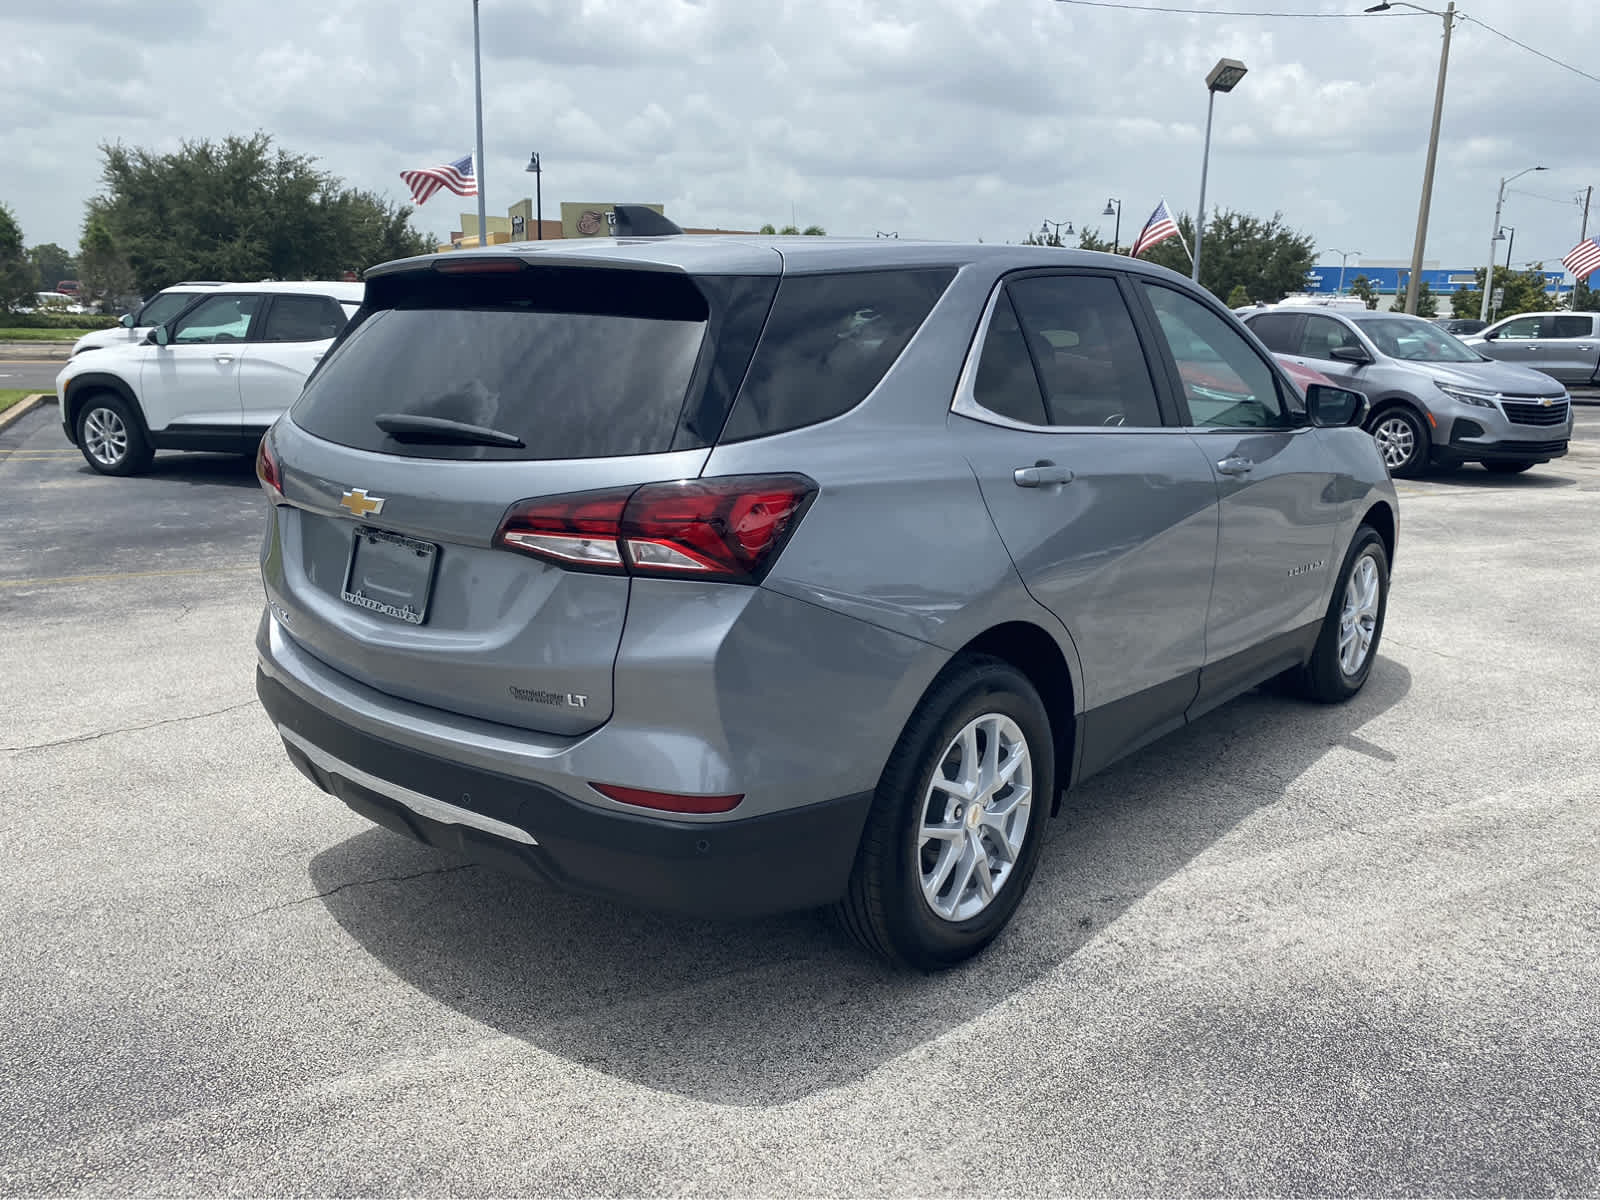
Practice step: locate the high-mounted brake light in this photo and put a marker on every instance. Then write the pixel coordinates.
(668, 801)
(728, 529)
(267, 472)
(479, 266)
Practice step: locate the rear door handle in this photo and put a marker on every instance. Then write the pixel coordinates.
(1235, 465)
(1042, 474)
(224, 358)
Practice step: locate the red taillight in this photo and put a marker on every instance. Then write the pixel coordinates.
(267, 473)
(728, 529)
(668, 801)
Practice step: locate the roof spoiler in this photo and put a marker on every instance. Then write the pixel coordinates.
(635, 220)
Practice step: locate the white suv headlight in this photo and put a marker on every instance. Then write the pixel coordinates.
(1467, 395)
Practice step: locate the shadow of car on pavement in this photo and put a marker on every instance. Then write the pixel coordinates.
(767, 1012)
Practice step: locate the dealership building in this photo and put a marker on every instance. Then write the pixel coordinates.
(1389, 277)
(520, 224)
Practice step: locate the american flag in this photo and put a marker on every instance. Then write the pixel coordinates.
(456, 176)
(1583, 260)
(1157, 229)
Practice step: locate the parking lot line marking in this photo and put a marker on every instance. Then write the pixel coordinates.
(46, 582)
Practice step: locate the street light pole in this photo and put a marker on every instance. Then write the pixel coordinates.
(1344, 256)
(538, 193)
(1116, 235)
(1224, 77)
(477, 166)
(1044, 229)
(1420, 245)
(1510, 242)
(1488, 274)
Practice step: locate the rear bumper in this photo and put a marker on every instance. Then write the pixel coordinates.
(794, 859)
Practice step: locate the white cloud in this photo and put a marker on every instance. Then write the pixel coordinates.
(937, 118)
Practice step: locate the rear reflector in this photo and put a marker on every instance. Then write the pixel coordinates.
(728, 529)
(267, 472)
(668, 801)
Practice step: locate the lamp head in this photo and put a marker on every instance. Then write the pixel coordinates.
(1225, 76)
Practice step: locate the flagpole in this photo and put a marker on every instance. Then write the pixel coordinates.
(477, 165)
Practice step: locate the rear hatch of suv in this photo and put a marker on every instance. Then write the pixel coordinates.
(451, 484)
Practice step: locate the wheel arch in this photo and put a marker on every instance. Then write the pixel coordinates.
(83, 386)
(1394, 400)
(1031, 650)
(1381, 517)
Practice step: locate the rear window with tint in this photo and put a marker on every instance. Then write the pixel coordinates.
(526, 356)
(829, 341)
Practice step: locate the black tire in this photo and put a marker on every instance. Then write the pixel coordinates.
(884, 906)
(110, 436)
(1502, 466)
(1384, 428)
(1323, 678)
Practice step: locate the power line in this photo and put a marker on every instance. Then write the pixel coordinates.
(1548, 58)
(1220, 12)
(1576, 200)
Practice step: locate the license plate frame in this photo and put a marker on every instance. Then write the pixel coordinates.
(408, 566)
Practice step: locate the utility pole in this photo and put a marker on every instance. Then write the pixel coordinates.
(1427, 174)
(1588, 195)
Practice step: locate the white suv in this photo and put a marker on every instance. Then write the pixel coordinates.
(135, 326)
(211, 378)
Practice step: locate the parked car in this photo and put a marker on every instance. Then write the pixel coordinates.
(1565, 346)
(211, 378)
(736, 576)
(135, 326)
(1434, 400)
(1460, 326)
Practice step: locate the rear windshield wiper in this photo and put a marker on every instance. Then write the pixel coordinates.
(404, 427)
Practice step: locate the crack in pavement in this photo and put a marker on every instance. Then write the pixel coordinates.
(353, 883)
(90, 737)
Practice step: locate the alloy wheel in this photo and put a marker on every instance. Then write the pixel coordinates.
(1358, 618)
(1397, 441)
(105, 436)
(975, 817)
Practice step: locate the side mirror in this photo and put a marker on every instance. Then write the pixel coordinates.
(1350, 354)
(126, 321)
(1333, 408)
(157, 336)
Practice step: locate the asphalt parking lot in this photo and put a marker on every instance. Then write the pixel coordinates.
(1288, 950)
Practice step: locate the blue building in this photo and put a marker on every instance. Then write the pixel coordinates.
(1324, 280)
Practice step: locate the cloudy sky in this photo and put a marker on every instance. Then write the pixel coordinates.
(953, 119)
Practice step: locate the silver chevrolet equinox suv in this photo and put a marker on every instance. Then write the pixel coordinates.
(738, 575)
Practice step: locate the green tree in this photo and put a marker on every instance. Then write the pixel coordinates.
(1361, 289)
(1265, 257)
(1427, 302)
(1090, 239)
(1585, 298)
(105, 270)
(51, 264)
(795, 231)
(1238, 298)
(241, 209)
(1524, 292)
(16, 272)
(1043, 239)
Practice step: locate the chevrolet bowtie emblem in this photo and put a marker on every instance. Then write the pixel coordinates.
(358, 502)
(1546, 401)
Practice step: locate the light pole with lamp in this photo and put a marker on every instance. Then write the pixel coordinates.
(1488, 274)
(538, 192)
(1044, 229)
(1344, 256)
(1510, 240)
(1417, 248)
(1116, 235)
(1224, 77)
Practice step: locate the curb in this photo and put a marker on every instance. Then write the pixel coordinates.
(22, 408)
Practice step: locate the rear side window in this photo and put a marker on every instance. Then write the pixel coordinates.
(303, 319)
(1276, 331)
(829, 340)
(1571, 327)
